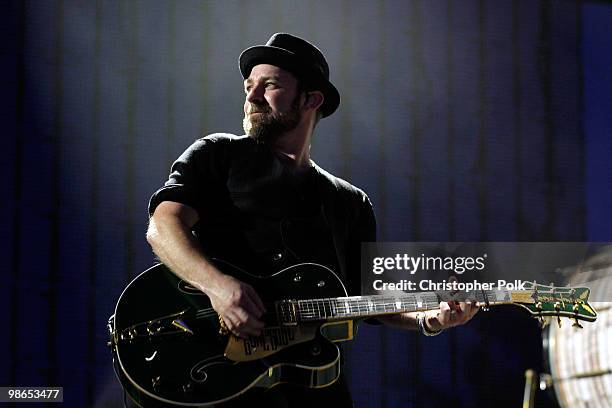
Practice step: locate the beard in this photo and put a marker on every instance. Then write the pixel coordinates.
(268, 127)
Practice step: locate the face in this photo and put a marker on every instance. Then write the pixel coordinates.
(272, 104)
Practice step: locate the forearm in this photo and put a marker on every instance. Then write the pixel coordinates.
(408, 321)
(404, 321)
(431, 322)
(175, 245)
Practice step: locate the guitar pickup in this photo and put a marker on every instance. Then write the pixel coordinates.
(286, 312)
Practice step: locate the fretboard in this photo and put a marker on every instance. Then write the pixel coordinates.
(377, 305)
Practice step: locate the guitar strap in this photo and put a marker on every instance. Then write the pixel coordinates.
(334, 215)
(351, 219)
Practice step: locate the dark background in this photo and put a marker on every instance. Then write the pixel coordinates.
(463, 120)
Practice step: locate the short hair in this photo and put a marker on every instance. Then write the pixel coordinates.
(304, 86)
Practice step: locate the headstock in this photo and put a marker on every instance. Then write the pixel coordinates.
(543, 300)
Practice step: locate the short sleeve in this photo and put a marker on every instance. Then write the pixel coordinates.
(196, 177)
(367, 221)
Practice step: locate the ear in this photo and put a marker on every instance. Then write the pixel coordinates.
(314, 100)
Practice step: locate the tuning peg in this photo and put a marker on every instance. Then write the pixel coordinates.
(575, 309)
(557, 309)
(577, 323)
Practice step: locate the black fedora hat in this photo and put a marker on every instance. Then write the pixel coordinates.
(299, 57)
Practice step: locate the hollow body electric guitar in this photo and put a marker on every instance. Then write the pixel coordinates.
(170, 347)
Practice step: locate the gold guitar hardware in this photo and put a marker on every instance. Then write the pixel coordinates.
(223, 330)
(558, 309)
(576, 309)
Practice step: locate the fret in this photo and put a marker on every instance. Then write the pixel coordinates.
(334, 307)
(412, 306)
(327, 307)
(361, 306)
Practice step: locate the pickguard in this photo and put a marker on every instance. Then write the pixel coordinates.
(272, 340)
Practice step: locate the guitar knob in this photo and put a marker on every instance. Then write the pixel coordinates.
(187, 388)
(315, 350)
(156, 383)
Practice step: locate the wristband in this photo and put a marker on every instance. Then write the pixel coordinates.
(422, 326)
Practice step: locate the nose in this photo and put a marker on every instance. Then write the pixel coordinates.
(255, 95)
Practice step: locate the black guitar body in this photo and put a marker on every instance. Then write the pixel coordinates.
(169, 351)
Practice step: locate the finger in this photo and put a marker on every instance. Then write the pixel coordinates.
(475, 308)
(469, 309)
(455, 306)
(237, 326)
(250, 305)
(444, 314)
(248, 323)
(255, 323)
(231, 325)
(466, 307)
(445, 307)
(255, 301)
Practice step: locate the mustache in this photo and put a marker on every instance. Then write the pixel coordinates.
(258, 109)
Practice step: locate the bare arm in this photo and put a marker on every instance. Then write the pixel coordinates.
(169, 234)
(449, 315)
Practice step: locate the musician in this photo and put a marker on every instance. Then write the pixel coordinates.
(261, 203)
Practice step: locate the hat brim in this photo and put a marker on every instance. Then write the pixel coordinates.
(287, 60)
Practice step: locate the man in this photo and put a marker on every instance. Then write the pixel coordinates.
(260, 202)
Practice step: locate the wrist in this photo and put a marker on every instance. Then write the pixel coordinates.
(424, 328)
(431, 323)
(210, 280)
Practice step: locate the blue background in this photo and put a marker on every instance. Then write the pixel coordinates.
(463, 120)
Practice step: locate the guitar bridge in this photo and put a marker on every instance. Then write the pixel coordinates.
(167, 325)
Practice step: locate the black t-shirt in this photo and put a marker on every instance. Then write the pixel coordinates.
(259, 212)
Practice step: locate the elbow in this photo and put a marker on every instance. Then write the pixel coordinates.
(152, 233)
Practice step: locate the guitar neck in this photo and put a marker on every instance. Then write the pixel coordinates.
(355, 307)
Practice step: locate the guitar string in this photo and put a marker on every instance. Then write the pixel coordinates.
(321, 307)
(337, 304)
(331, 307)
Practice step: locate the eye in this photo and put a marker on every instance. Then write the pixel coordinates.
(271, 85)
